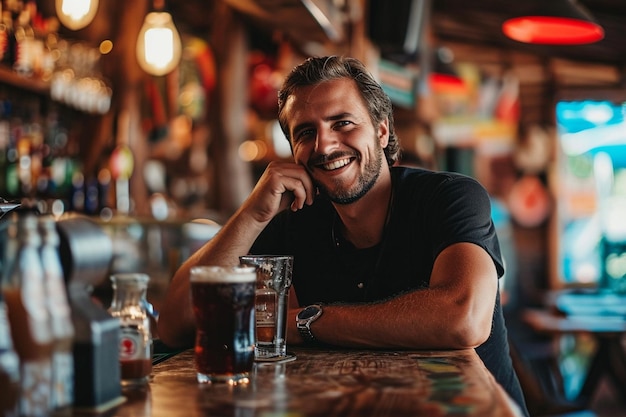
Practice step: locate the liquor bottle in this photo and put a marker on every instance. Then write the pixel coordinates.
(129, 305)
(9, 367)
(8, 40)
(4, 40)
(4, 147)
(24, 296)
(62, 395)
(26, 50)
(9, 361)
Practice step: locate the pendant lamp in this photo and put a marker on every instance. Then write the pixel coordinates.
(159, 47)
(554, 22)
(76, 14)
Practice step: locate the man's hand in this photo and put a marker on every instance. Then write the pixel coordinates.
(282, 185)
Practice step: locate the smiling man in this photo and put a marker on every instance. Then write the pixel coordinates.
(384, 256)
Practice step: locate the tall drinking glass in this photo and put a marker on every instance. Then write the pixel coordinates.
(223, 306)
(272, 292)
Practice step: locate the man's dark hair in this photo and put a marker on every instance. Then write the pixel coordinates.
(316, 70)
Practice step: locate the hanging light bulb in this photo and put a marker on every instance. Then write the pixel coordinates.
(158, 46)
(76, 14)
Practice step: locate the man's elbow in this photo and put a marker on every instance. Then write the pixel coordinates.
(471, 333)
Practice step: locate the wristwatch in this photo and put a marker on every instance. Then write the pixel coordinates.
(304, 319)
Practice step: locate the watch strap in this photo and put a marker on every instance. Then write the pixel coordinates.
(306, 333)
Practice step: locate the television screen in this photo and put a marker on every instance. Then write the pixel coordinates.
(590, 191)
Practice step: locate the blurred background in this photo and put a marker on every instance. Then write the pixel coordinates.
(160, 147)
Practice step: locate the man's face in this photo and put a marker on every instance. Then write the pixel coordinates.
(333, 137)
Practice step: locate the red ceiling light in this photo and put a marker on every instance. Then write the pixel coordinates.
(555, 22)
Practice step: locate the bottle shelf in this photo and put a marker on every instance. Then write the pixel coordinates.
(32, 85)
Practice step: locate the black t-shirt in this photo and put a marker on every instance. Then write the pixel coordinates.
(429, 212)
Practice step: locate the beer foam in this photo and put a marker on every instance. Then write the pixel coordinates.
(226, 274)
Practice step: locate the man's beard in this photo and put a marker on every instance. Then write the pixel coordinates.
(366, 181)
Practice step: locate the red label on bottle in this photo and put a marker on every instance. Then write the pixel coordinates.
(132, 344)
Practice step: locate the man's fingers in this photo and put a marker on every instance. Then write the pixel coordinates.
(297, 180)
(297, 192)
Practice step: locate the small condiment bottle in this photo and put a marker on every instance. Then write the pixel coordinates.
(129, 305)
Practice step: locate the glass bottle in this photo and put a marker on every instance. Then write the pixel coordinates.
(23, 291)
(9, 361)
(8, 45)
(60, 317)
(25, 53)
(9, 367)
(129, 305)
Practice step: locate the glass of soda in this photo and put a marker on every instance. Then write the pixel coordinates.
(223, 305)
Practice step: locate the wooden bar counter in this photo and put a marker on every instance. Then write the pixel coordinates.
(327, 383)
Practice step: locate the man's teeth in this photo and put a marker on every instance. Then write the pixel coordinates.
(336, 164)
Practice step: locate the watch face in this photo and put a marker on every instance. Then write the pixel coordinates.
(308, 312)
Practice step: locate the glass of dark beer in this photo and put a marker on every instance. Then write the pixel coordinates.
(223, 306)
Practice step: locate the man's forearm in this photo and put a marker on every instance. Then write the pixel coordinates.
(423, 319)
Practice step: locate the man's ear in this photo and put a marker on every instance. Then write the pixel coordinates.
(383, 133)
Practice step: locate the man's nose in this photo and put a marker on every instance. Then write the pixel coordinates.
(326, 141)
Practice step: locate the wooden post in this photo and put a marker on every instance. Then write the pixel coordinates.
(228, 111)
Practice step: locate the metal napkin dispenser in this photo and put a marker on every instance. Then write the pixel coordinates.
(86, 253)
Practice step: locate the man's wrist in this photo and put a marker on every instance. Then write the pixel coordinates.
(305, 318)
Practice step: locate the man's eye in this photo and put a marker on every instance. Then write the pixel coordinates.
(342, 123)
(303, 134)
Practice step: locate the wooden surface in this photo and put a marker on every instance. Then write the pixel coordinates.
(329, 383)
(609, 355)
(548, 321)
